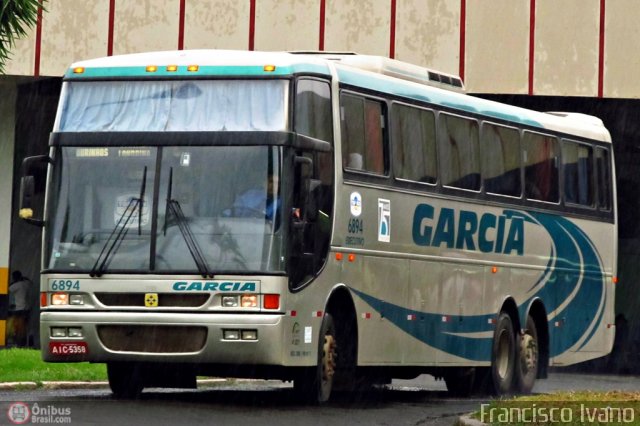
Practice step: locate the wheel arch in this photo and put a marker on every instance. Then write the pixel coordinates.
(510, 307)
(341, 306)
(538, 312)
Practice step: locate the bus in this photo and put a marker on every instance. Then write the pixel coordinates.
(414, 229)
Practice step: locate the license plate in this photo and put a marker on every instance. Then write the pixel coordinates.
(68, 348)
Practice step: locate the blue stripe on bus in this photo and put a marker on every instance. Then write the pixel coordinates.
(204, 70)
(576, 265)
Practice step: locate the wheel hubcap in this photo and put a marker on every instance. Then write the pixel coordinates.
(529, 353)
(329, 358)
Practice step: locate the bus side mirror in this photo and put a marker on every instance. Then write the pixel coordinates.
(27, 188)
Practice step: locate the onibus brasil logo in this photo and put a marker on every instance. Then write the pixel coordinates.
(19, 413)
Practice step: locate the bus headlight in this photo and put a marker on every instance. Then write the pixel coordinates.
(249, 301)
(76, 299)
(230, 301)
(58, 299)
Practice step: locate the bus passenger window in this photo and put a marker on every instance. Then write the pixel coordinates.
(577, 166)
(501, 160)
(313, 109)
(414, 136)
(363, 144)
(460, 166)
(540, 167)
(603, 174)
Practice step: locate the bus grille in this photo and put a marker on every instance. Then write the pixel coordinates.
(165, 300)
(152, 338)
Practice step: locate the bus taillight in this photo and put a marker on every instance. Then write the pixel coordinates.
(271, 301)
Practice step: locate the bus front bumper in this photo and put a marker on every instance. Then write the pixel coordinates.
(162, 337)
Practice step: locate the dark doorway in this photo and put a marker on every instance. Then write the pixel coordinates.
(36, 106)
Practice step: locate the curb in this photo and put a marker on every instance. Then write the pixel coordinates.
(467, 420)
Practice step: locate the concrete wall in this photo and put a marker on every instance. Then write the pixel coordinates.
(541, 47)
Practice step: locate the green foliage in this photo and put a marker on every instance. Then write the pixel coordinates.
(16, 18)
(26, 365)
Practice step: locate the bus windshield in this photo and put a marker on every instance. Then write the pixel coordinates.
(205, 209)
(184, 105)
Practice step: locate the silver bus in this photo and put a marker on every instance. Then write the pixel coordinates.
(330, 219)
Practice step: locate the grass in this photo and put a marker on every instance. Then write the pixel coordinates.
(566, 408)
(26, 365)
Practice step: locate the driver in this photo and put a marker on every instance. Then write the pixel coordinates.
(256, 202)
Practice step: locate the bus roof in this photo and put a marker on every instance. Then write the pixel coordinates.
(369, 72)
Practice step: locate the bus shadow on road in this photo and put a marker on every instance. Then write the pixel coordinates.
(284, 396)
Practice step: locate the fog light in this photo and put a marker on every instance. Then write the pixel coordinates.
(74, 332)
(249, 334)
(76, 299)
(249, 301)
(230, 301)
(231, 334)
(58, 332)
(59, 299)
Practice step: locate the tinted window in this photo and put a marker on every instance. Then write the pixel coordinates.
(603, 170)
(500, 155)
(577, 166)
(414, 136)
(313, 109)
(540, 155)
(362, 124)
(459, 152)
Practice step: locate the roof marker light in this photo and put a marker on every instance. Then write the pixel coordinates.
(269, 68)
(193, 68)
(78, 70)
(152, 68)
(172, 68)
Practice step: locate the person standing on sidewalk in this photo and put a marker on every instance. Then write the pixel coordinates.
(19, 307)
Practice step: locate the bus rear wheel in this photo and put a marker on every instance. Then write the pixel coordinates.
(503, 356)
(527, 360)
(314, 384)
(125, 379)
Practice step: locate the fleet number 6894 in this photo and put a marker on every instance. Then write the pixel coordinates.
(65, 285)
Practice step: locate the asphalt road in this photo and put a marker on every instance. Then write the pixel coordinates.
(422, 401)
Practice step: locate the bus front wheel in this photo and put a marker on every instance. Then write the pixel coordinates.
(125, 379)
(503, 356)
(314, 384)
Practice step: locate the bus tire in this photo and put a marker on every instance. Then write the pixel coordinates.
(503, 356)
(314, 384)
(527, 359)
(125, 379)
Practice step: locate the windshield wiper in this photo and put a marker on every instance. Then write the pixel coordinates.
(120, 230)
(173, 206)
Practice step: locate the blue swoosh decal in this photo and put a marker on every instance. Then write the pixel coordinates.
(572, 287)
